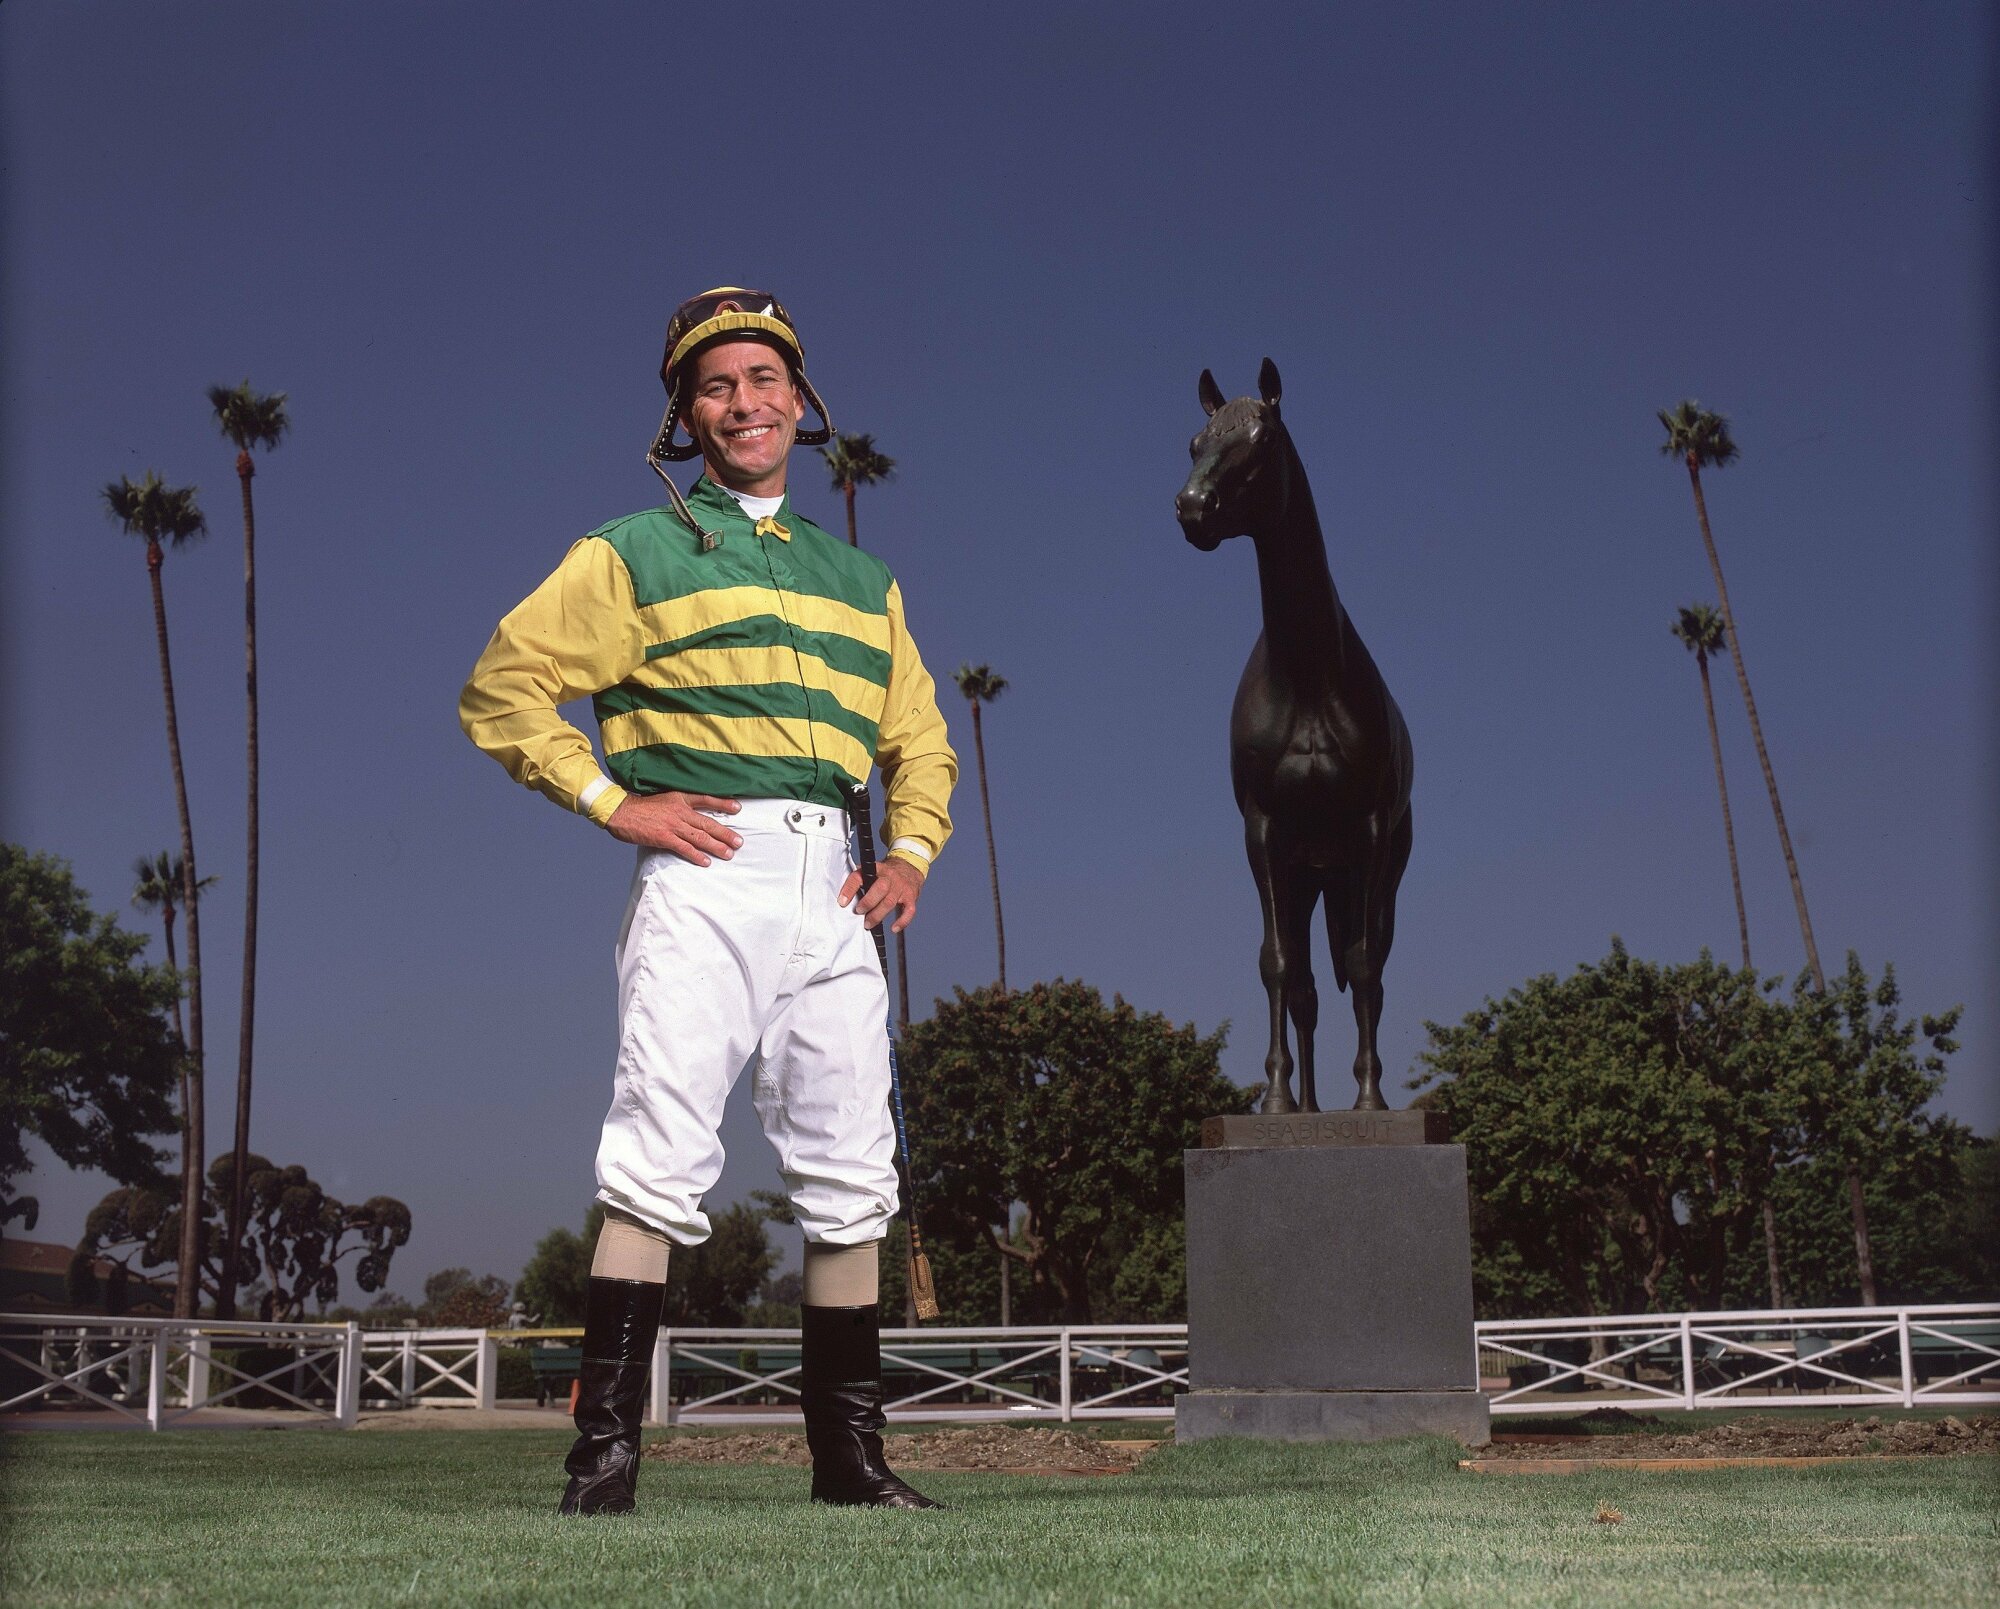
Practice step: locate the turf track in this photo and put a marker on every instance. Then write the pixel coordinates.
(319, 1518)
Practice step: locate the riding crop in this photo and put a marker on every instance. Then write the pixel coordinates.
(923, 1291)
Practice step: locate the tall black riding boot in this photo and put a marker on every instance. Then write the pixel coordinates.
(841, 1393)
(620, 1324)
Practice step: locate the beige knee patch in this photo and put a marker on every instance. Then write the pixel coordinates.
(842, 1276)
(628, 1249)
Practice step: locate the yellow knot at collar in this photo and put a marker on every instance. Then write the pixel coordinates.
(770, 527)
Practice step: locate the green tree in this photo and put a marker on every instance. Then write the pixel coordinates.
(1700, 630)
(158, 888)
(457, 1299)
(556, 1281)
(1072, 1111)
(87, 1049)
(714, 1284)
(248, 419)
(1863, 1077)
(981, 686)
(296, 1237)
(168, 517)
(1625, 1125)
(852, 461)
(1701, 440)
(1620, 1125)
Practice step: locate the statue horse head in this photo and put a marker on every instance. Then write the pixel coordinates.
(1241, 480)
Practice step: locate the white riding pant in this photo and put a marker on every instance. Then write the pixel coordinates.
(751, 964)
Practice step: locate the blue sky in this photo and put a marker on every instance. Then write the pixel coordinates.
(1483, 247)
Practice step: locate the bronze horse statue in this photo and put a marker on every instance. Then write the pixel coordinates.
(1318, 753)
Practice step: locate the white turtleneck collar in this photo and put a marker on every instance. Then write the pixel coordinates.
(758, 508)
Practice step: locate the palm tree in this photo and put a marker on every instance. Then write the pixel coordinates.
(853, 461)
(1701, 630)
(1701, 439)
(249, 420)
(168, 516)
(981, 686)
(159, 889)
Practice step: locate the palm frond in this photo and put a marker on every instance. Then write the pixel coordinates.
(852, 460)
(1700, 628)
(155, 511)
(249, 418)
(978, 683)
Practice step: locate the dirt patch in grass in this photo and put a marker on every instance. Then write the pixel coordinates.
(1013, 1448)
(1758, 1437)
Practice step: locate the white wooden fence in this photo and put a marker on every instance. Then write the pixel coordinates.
(1898, 1357)
(159, 1371)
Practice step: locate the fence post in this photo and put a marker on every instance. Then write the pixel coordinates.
(1903, 1345)
(347, 1381)
(487, 1373)
(1065, 1374)
(197, 1387)
(156, 1379)
(663, 1377)
(1687, 1362)
(406, 1392)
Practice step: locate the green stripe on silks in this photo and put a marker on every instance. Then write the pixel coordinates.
(783, 699)
(769, 631)
(660, 767)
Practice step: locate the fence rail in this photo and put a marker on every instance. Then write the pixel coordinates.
(1029, 1372)
(1905, 1357)
(157, 1372)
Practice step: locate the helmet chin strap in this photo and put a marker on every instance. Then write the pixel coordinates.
(665, 449)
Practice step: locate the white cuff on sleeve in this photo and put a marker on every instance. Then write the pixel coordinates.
(590, 794)
(910, 846)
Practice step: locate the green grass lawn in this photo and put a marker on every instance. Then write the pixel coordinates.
(463, 1517)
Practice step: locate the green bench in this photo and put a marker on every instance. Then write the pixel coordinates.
(556, 1369)
(1934, 1357)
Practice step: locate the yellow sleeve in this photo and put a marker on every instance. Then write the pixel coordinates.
(918, 766)
(576, 633)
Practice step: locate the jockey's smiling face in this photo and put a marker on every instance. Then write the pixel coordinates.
(744, 411)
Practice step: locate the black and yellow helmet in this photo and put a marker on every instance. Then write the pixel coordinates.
(729, 310)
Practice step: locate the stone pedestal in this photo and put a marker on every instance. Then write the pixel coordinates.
(1330, 1292)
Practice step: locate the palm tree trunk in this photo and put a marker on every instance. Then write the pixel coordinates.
(992, 860)
(225, 1304)
(173, 966)
(1771, 1255)
(180, 1039)
(853, 541)
(187, 1283)
(1756, 729)
(1864, 1261)
(1728, 824)
(902, 984)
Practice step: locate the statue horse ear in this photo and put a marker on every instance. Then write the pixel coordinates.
(1211, 393)
(1268, 385)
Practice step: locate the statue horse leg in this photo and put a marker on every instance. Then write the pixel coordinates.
(1301, 990)
(1274, 960)
(1370, 930)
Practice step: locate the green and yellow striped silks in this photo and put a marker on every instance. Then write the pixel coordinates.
(767, 662)
(776, 665)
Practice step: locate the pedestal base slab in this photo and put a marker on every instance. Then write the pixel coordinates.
(1332, 1415)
